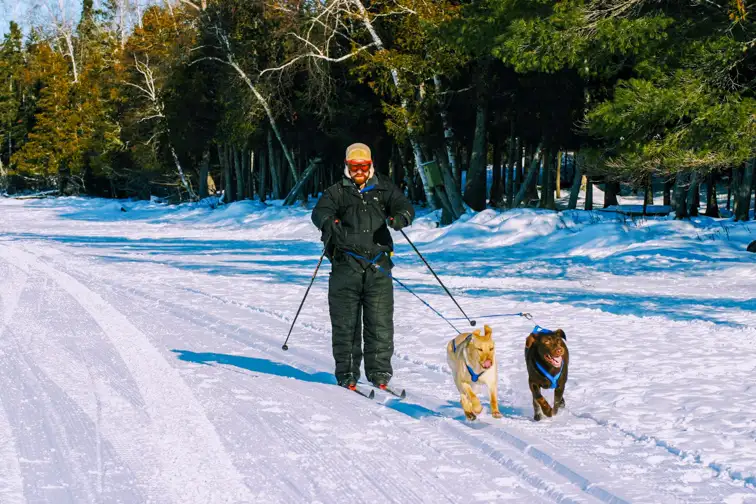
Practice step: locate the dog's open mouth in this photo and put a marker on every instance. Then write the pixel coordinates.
(553, 361)
(486, 363)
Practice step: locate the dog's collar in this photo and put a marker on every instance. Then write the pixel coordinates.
(473, 375)
(552, 378)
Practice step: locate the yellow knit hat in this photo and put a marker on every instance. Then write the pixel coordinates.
(358, 151)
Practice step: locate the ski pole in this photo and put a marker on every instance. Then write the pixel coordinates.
(285, 347)
(472, 322)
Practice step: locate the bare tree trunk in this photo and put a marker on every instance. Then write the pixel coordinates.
(681, 209)
(122, 6)
(252, 185)
(588, 193)
(262, 169)
(68, 37)
(559, 174)
(408, 175)
(184, 181)
(532, 175)
(743, 191)
(532, 188)
(712, 205)
(456, 208)
(577, 180)
(451, 184)
(231, 61)
(250, 171)
(228, 195)
(204, 172)
(610, 193)
(648, 195)
(497, 184)
(239, 174)
(461, 165)
(668, 192)
(544, 181)
(550, 173)
(475, 186)
(378, 42)
(274, 182)
(3, 177)
(694, 195)
(512, 169)
(298, 188)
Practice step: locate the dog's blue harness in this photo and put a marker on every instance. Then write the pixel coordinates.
(553, 379)
(473, 375)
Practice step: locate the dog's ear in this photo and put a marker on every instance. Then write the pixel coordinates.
(476, 333)
(488, 330)
(529, 341)
(561, 334)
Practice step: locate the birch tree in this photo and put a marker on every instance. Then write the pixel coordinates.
(59, 17)
(150, 58)
(340, 30)
(222, 51)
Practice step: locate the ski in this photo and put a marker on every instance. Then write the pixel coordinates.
(361, 391)
(400, 393)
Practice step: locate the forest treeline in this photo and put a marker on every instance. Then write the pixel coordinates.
(259, 98)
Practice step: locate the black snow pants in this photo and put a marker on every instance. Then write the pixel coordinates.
(361, 296)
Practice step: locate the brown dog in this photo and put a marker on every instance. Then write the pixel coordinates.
(472, 360)
(547, 360)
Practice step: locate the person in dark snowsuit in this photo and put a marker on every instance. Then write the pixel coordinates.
(353, 216)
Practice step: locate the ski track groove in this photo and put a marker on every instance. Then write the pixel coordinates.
(721, 469)
(72, 435)
(314, 450)
(580, 481)
(205, 460)
(548, 460)
(235, 329)
(11, 479)
(681, 454)
(177, 312)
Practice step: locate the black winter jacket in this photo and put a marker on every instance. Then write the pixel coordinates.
(363, 213)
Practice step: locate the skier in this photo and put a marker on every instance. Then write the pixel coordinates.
(352, 216)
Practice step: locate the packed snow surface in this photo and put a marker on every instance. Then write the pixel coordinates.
(141, 361)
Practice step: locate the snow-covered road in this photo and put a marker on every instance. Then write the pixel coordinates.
(140, 361)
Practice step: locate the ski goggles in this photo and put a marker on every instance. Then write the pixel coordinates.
(355, 166)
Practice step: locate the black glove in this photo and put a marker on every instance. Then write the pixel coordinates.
(334, 231)
(398, 222)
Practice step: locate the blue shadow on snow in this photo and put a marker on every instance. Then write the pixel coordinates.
(265, 366)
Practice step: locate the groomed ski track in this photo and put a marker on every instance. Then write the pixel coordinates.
(126, 380)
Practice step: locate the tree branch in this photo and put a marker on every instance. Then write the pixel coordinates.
(319, 57)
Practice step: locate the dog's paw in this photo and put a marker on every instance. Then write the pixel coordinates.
(538, 417)
(545, 408)
(561, 403)
(496, 414)
(470, 416)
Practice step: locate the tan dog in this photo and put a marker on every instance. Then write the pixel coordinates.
(472, 361)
